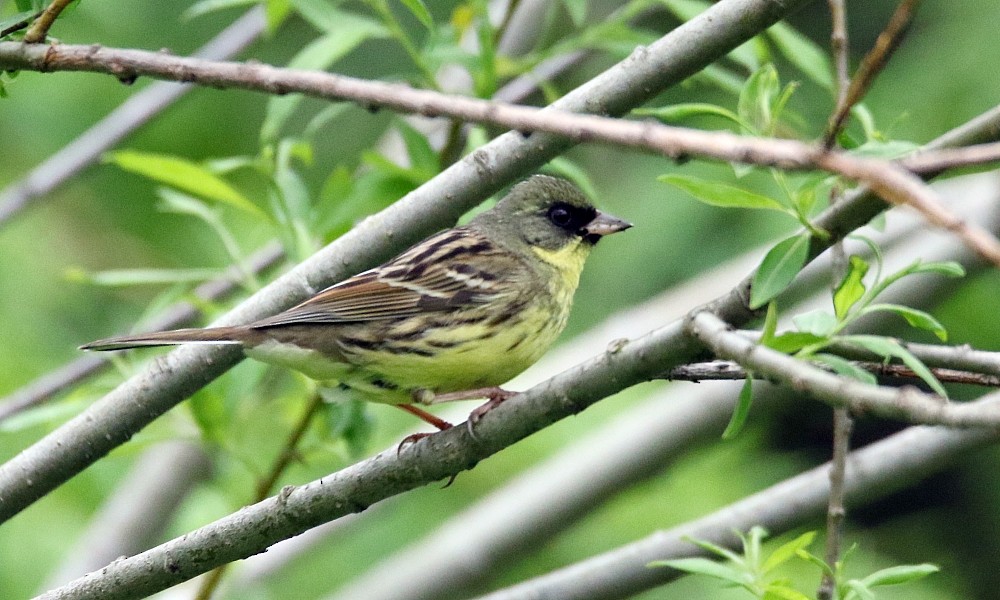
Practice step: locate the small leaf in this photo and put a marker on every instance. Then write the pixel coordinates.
(704, 566)
(344, 32)
(275, 12)
(754, 106)
(776, 591)
(207, 6)
(185, 175)
(844, 367)
(786, 551)
(719, 194)
(948, 268)
(422, 155)
(778, 269)
(916, 318)
(741, 411)
(680, 112)
(770, 324)
(419, 10)
(803, 53)
(793, 341)
(891, 348)
(577, 10)
(900, 574)
(817, 322)
(851, 289)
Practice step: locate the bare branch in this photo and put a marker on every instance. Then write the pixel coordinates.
(726, 370)
(888, 180)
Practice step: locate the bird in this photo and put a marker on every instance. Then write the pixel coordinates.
(451, 318)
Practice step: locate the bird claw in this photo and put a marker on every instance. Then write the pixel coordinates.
(496, 399)
(410, 439)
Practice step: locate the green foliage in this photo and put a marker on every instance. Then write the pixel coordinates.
(754, 569)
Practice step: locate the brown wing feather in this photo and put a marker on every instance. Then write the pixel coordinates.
(444, 272)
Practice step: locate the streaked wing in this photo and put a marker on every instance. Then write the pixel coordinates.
(453, 269)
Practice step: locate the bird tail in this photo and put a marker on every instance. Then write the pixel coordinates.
(212, 335)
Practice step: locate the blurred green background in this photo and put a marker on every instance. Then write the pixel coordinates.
(106, 218)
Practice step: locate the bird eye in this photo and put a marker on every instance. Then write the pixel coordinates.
(560, 216)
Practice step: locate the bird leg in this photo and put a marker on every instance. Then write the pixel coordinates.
(424, 416)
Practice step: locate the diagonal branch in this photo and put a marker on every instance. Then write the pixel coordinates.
(167, 381)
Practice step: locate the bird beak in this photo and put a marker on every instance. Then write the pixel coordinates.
(603, 224)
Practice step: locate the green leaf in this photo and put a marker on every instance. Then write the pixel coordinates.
(948, 268)
(852, 288)
(770, 324)
(793, 341)
(755, 103)
(185, 175)
(777, 591)
(577, 10)
(817, 322)
(844, 367)
(275, 12)
(778, 269)
(344, 33)
(741, 411)
(419, 10)
(916, 318)
(722, 195)
(207, 6)
(891, 348)
(422, 156)
(127, 277)
(889, 149)
(704, 566)
(803, 53)
(676, 113)
(786, 551)
(900, 574)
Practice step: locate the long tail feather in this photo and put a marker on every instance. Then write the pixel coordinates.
(212, 335)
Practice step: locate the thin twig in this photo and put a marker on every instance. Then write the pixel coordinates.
(888, 180)
(19, 25)
(40, 28)
(870, 67)
(727, 370)
(842, 423)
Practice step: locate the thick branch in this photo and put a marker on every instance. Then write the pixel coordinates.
(171, 378)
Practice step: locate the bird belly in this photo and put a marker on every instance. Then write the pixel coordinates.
(474, 355)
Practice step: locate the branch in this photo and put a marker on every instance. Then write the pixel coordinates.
(888, 180)
(437, 457)
(725, 370)
(906, 404)
(168, 380)
(872, 472)
(40, 28)
(129, 116)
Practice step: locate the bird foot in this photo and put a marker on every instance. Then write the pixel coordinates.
(497, 396)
